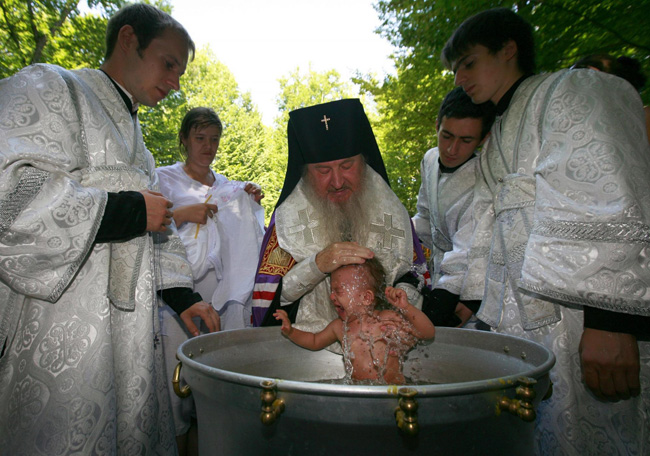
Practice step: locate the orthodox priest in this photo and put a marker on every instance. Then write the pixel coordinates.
(85, 246)
(336, 208)
(564, 241)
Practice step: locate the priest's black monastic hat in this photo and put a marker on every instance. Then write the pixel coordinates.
(326, 132)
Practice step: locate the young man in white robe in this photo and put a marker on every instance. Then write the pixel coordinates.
(564, 240)
(444, 205)
(85, 247)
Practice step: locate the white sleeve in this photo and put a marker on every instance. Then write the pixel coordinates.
(302, 278)
(590, 237)
(422, 220)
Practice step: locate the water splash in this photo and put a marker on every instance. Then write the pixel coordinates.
(375, 334)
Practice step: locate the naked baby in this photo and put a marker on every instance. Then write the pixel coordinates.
(373, 340)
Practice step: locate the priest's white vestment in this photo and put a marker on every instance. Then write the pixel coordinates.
(300, 233)
(443, 222)
(81, 371)
(565, 171)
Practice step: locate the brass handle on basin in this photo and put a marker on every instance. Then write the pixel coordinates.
(522, 404)
(272, 406)
(406, 413)
(181, 392)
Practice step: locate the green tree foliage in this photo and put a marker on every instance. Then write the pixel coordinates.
(302, 89)
(209, 83)
(407, 106)
(54, 31)
(408, 103)
(564, 30)
(80, 44)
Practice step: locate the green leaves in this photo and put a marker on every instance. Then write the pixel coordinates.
(54, 32)
(402, 108)
(243, 151)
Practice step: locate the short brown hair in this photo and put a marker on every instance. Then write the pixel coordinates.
(197, 118)
(148, 22)
(493, 29)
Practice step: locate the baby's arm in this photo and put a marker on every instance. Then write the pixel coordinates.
(286, 323)
(306, 339)
(416, 317)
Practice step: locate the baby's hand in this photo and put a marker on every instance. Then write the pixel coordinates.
(397, 297)
(286, 323)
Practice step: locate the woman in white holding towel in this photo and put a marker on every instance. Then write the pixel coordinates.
(221, 224)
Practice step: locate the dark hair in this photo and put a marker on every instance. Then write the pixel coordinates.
(493, 29)
(148, 22)
(197, 118)
(601, 62)
(458, 105)
(623, 67)
(630, 70)
(377, 275)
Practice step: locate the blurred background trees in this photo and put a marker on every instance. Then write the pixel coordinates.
(402, 107)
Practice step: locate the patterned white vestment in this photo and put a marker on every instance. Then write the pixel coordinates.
(299, 231)
(443, 223)
(565, 172)
(82, 368)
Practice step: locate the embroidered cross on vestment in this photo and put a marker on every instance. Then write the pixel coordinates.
(387, 231)
(306, 227)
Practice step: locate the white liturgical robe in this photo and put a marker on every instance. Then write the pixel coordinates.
(565, 172)
(81, 371)
(300, 233)
(443, 222)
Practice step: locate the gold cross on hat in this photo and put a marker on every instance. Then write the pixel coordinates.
(326, 119)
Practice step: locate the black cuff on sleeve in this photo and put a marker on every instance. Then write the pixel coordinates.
(125, 217)
(606, 320)
(440, 306)
(474, 306)
(409, 278)
(179, 299)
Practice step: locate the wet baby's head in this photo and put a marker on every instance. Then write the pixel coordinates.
(356, 287)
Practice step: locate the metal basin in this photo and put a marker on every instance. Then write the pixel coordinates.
(466, 397)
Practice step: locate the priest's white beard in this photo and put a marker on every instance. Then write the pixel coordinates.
(345, 221)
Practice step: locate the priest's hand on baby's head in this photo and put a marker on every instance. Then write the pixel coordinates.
(340, 254)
